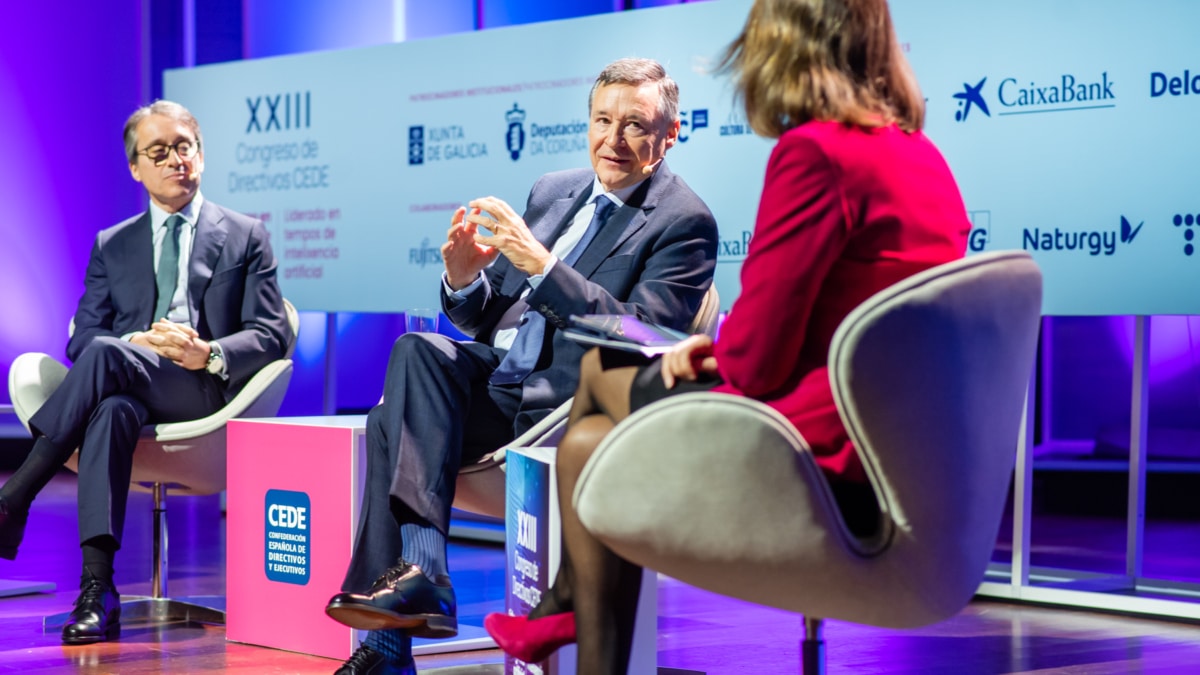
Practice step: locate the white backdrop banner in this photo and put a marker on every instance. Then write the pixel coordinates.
(1069, 125)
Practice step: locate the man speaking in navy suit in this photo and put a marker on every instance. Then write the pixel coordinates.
(624, 237)
(180, 308)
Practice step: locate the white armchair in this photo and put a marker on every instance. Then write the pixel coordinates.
(185, 457)
(930, 378)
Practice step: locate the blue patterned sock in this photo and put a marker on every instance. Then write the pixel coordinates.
(395, 645)
(425, 547)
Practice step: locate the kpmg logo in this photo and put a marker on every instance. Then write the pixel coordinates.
(1191, 223)
(279, 112)
(696, 119)
(515, 138)
(1183, 85)
(981, 230)
(416, 144)
(1092, 242)
(1064, 93)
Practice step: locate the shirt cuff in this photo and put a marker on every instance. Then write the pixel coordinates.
(536, 279)
(459, 296)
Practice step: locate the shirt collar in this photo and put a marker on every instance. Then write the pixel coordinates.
(158, 217)
(617, 196)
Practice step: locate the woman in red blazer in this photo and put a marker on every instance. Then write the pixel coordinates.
(855, 199)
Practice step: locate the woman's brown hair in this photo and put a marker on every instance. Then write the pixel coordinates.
(839, 60)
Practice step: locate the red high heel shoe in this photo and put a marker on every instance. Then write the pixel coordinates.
(532, 641)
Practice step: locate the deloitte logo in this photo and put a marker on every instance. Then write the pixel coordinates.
(1064, 93)
(1190, 223)
(1091, 242)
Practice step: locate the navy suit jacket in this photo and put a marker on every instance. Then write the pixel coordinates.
(233, 296)
(654, 258)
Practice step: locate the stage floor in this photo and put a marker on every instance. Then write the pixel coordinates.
(696, 630)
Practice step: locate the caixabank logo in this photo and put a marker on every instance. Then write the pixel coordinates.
(443, 143)
(1089, 242)
(1068, 92)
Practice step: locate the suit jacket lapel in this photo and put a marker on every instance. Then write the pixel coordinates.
(211, 232)
(135, 250)
(625, 222)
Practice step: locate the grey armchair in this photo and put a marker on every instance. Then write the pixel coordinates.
(480, 486)
(930, 379)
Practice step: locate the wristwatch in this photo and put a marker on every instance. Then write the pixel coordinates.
(216, 359)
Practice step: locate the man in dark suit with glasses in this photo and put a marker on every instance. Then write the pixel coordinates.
(180, 308)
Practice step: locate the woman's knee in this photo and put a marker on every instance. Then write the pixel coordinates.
(580, 441)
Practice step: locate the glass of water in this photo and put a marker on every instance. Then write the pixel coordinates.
(421, 320)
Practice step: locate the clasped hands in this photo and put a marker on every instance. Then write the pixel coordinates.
(177, 342)
(468, 251)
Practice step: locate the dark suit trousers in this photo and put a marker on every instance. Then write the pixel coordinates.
(438, 412)
(114, 389)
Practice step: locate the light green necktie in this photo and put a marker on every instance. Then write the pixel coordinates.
(168, 266)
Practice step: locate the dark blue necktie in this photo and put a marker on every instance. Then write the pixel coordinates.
(167, 276)
(527, 346)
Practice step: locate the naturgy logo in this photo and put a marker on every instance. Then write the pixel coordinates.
(1067, 93)
(1092, 242)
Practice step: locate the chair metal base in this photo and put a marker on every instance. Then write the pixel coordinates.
(140, 609)
(812, 649)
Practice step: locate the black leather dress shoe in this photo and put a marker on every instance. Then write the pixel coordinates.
(367, 661)
(97, 614)
(12, 529)
(402, 598)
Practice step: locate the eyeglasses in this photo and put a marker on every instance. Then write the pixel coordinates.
(159, 154)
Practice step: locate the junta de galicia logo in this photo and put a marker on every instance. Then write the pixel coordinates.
(448, 143)
(1064, 93)
(416, 144)
(1092, 242)
(515, 138)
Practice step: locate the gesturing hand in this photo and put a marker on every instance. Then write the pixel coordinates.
(463, 257)
(688, 359)
(510, 235)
